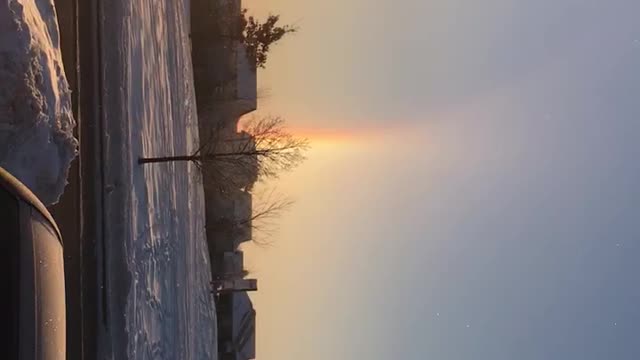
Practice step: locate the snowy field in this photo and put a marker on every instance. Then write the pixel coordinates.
(156, 255)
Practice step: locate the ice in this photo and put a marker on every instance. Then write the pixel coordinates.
(36, 121)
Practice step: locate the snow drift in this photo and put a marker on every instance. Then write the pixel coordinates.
(36, 120)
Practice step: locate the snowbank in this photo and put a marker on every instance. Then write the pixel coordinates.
(36, 121)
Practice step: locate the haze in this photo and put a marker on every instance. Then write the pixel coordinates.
(482, 199)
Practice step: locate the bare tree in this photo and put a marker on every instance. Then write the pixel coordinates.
(269, 207)
(259, 226)
(231, 159)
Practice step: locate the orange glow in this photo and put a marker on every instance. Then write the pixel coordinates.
(333, 135)
(325, 135)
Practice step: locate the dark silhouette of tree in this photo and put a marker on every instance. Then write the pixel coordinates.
(231, 159)
(268, 206)
(258, 36)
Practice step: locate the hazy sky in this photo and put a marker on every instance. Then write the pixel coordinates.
(473, 190)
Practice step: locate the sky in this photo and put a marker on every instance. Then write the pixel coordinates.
(472, 189)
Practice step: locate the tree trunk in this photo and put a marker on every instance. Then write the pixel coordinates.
(143, 160)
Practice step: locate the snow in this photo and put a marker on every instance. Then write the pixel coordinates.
(156, 302)
(36, 121)
(157, 280)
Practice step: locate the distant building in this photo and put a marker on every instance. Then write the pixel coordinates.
(226, 286)
(226, 89)
(228, 219)
(227, 264)
(225, 78)
(236, 327)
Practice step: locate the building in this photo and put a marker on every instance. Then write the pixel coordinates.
(227, 264)
(228, 219)
(225, 82)
(225, 79)
(236, 327)
(226, 89)
(226, 286)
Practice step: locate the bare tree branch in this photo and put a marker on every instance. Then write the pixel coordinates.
(263, 149)
(268, 207)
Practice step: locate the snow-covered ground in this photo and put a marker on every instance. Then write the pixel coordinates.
(156, 302)
(158, 267)
(36, 120)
